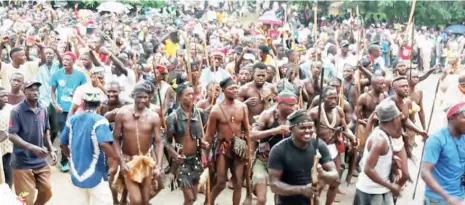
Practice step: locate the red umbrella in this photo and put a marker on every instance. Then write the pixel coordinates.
(270, 18)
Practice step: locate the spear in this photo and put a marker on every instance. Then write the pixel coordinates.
(353, 163)
(427, 130)
(188, 54)
(315, 183)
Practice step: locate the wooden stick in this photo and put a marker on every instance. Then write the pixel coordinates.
(315, 145)
(427, 130)
(162, 117)
(213, 87)
(315, 21)
(412, 11)
(189, 57)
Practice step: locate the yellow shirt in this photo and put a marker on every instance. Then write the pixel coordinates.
(28, 69)
(171, 48)
(269, 60)
(219, 16)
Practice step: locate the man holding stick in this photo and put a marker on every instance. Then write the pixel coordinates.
(291, 161)
(229, 120)
(185, 125)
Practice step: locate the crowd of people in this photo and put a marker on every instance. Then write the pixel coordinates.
(139, 103)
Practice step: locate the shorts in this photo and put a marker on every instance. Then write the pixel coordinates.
(28, 180)
(260, 171)
(98, 195)
(362, 198)
(432, 201)
(333, 151)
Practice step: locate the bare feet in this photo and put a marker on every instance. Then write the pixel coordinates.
(247, 201)
(340, 192)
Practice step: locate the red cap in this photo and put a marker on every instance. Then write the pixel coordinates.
(68, 53)
(454, 109)
(160, 68)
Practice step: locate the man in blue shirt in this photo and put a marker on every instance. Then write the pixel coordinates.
(443, 167)
(83, 139)
(64, 82)
(28, 130)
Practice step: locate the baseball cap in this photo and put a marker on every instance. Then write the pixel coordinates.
(97, 70)
(91, 95)
(31, 83)
(344, 43)
(387, 110)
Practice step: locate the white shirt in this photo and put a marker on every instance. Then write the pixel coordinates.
(28, 69)
(211, 15)
(79, 93)
(382, 167)
(341, 61)
(127, 84)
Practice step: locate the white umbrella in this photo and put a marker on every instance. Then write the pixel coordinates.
(112, 6)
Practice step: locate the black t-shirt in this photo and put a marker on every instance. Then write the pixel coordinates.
(296, 164)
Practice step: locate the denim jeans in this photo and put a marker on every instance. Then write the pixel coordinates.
(362, 198)
(433, 201)
(7, 169)
(61, 121)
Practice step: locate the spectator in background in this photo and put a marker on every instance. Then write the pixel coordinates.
(64, 82)
(16, 95)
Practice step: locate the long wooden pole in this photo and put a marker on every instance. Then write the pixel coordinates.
(353, 163)
(427, 130)
(189, 57)
(315, 182)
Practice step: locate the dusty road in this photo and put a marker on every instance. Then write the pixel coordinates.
(61, 182)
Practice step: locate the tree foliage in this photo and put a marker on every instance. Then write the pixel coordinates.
(143, 3)
(429, 13)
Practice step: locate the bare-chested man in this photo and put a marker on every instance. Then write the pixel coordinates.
(113, 89)
(351, 85)
(256, 94)
(403, 103)
(332, 123)
(366, 104)
(228, 121)
(270, 128)
(113, 102)
(336, 83)
(416, 97)
(402, 69)
(136, 165)
(312, 85)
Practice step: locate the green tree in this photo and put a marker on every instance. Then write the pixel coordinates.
(430, 13)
